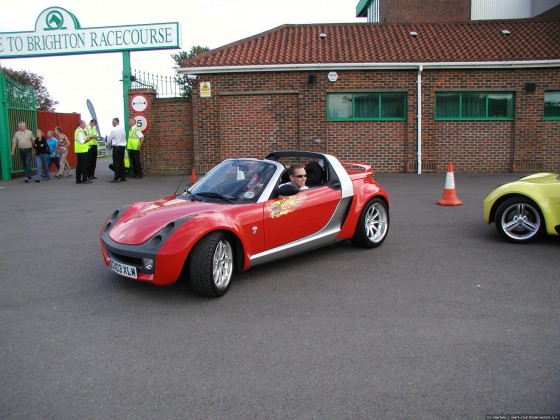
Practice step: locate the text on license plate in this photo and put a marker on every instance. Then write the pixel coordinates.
(123, 269)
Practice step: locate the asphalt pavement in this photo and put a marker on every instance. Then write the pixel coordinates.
(444, 321)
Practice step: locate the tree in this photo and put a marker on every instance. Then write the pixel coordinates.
(43, 100)
(182, 79)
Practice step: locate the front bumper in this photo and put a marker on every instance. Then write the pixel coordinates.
(131, 255)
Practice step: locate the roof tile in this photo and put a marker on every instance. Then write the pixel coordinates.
(478, 41)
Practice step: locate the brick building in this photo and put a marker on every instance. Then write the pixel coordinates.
(416, 11)
(403, 97)
(401, 11)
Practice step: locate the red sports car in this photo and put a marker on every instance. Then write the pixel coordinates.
(242, 213)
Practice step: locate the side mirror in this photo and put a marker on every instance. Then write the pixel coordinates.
(287, 189)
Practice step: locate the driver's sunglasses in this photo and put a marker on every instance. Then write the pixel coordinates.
(301, 176)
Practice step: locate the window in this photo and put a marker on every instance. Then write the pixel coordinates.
(552, 105)
(474, 106)
(233, 181)
(366, 106)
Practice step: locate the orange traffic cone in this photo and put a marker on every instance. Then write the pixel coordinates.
(449, 194)
(193, 176)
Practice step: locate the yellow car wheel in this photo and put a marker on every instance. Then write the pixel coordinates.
(519, 220)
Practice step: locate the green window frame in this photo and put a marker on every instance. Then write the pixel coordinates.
(366, 106)
(552, 105)
(474, 106)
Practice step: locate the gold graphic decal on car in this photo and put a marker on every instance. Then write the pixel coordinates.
(285, 205)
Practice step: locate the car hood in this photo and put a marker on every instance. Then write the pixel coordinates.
(540, 178)
(143, 220)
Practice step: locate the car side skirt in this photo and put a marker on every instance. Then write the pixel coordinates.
(320, 239)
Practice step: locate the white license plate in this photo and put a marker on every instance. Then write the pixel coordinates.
(123, 269)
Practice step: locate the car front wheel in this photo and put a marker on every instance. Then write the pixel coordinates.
(211, 265)
(373, 224)
(519, 220)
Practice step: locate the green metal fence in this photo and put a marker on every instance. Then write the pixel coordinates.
(17, 104)
(165, 86)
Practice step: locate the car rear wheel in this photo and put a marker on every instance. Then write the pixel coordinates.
(519, 220)
(211, 265)
(373, 224)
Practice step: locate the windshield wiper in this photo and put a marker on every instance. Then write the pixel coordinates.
(214, 195)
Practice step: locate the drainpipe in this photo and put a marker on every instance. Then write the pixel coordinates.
(419, 118)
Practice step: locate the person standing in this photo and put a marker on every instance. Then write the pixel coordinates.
(42, 153)
(135, 140)
(117, 140)
(63, 145)
(54, 157)
(92, 136)
(81, 148)
(23, 140)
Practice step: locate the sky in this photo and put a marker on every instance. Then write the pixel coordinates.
(72, 80)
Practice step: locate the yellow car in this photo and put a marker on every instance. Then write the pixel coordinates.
(525, 209)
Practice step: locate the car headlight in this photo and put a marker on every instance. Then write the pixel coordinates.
(116, 215)
(160, 237)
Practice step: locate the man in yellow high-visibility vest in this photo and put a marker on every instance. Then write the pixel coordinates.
(134, 144)
(92, 152)
(81, 148)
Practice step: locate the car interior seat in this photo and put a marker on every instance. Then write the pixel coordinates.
(315, 174)
(285, 176)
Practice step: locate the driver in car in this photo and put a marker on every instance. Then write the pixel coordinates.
(298, 176)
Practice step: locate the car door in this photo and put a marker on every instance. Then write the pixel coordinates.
(291, 218)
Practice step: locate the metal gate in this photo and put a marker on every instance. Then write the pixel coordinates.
(17, 104)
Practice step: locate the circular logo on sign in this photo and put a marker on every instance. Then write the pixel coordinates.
(54, 20)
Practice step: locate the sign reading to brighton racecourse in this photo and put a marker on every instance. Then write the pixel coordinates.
(58, 32)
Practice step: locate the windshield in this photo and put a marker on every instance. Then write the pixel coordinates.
(233, 181)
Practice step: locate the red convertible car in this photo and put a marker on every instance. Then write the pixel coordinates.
(242, 213)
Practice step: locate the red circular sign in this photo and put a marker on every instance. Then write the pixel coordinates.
(141, 122)
(139, 103)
